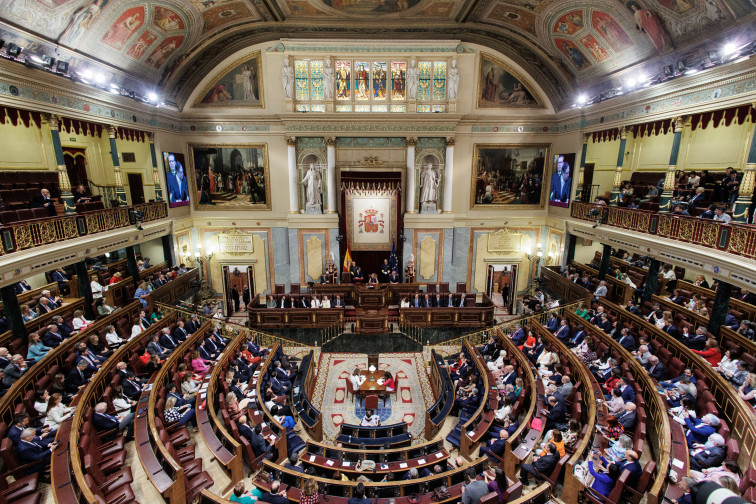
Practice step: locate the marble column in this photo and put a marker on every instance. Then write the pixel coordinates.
(581, 173)
(293, 182)
(155, 174)
(618, 174)
(120, 191)
(721, 307)
(652, 280)
(668, 193)
(331, 160)
(64, 183)
(745, 192)
(85, 288)
(448, 176)
(410, 205)
(605, 258)
(12, 312)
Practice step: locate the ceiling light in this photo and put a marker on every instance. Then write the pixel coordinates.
(691, 71)
(581, 99)
(729, 48)
(99, 78)
(152, 97)
(631, 82)
(36, 59)
(87, 74)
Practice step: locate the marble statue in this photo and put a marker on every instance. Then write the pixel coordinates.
(328, 79)
(453, 80)
(287, 79)
(313, 187)
(413, 77)
(428, 185)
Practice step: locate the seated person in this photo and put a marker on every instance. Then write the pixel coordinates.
(393, 277)
(540, 466)
(104, 422)
(404, 303)
(389, 382)
(711, 454)
(371, 419)
(372, 280)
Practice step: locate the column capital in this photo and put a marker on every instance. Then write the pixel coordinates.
(330, 141)
(586, 137)
(411, 141)
(291, 141)
(679, 123)
(112, 130)
(52, 120)
(450, 142)
(151, 136)
(623, 133)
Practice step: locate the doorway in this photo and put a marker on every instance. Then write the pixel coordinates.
(588, 182)
(238, 288)
(76, 166)
(136, 189)
(501, 285)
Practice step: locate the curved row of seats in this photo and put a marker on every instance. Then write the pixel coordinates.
(443, 387)
(302, 388)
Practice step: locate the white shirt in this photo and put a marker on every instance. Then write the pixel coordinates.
(135, 330)
(404, 303)
(58, 415)
(121, 403)
(670, 274)
(96, 289)
(371, 421)
(723, 218)
(315, 303)
(326, 303)
(357, 380)
(503, 412)
(113, 338)
(80, 323)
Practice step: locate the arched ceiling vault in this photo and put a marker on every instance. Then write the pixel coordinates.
(167, 45)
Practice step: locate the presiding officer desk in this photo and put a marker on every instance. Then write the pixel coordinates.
(362, 302)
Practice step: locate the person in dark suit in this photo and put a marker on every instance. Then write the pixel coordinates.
(29, 451)
(519, 335)
(193, 324)
(259, 445)
(578, 337)
(509, 376)
(632, 308)
(102, 421)
(541, 465)
(629, 417)
(630, 464)
(21, 287)
(64, 329)
(21, 421)
(14, 370)
(731, 321)
(462, 302)
(337, 302)
(284, 302)
(359, 496)
(437, 301)
(78, 377)
(416, 301)
(294, 463)
(60, 276)
(42, 200)
(553, 323)
(712, 455)
(497, 445)
(672, 330)
(698, 199)
(154, 348)
(555, 415)
(563, 333)
(180, 332)
(427, 303)
(747, 297)
(166, 340)
(235, 298)
(626, 340)
(627, 389)
(303, 303)
(656, 369)
(278, 496)
(131, 386)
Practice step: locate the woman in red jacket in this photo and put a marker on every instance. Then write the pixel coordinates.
(711, 352)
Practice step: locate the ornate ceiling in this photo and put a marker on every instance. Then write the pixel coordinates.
(561, 43)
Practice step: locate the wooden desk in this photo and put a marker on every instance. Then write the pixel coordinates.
(371, 386)
(368, 297)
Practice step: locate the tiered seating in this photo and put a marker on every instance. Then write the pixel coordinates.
(395, 435)
(443, 387)
(302, 388)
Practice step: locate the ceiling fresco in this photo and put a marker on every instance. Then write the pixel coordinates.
(563, 44)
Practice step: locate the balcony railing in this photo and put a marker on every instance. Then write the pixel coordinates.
(738, 239)
(36, 233)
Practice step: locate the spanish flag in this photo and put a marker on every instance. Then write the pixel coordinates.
(347, 260)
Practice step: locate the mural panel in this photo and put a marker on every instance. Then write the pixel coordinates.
(574, 55)
(223, 14)
(611, 31)
(594, 48)
(508, 175)
(164, 51)
(499, 86)
(124, 27)
(143, 43)
(650, 23)
(231, 177)
(569, 23)
(504, 14)
(366, 8)
(239, 84)
(166, 19)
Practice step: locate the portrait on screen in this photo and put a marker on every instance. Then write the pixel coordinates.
(175, 178)
(561, 180)
(508, 175)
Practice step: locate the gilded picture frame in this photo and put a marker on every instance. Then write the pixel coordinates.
(234, 71)
(510, 89)
(499, 171)
(240, 177)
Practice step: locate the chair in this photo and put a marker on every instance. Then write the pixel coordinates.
(349, 388)
(371, 402)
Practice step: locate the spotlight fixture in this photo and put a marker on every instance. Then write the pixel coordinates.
(61, 67)
(13, 50)
(99, 78)
(681, 66)
(581, 99)
(729, 49)
(36, 59)
(152, 97)
(669, 71)
(48, 61)
(630, 82)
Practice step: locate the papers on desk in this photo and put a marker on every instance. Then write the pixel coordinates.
(346, 464)
(421, 461)
(678, 463)
(471, 433)
(312, 458)
(403, 465)
(329, 462)
(147, 387)
(439, 455)
(384, 467)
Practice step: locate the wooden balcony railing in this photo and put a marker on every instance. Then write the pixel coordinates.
(737, 239)
(40, 232)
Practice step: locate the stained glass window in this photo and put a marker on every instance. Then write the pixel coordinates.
(362, 80)
(424, 86)
(343, 108)
(380, 108)
(438, 108)
(316, 79)
(302, 80)
(343, 80)
(398, 79)
(398, 108)
(379, 80)
(439, 81)
(317, 107)
(302, 108)
(362, 108)
(423, 108)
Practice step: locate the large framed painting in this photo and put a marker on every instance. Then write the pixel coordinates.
(502, 87)
(509, 174)
(371, 220)
(230, 177)
(239, 84)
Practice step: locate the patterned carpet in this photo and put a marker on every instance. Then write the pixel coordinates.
(408, 405)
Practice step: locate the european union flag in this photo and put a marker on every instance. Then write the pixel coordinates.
(393, 262)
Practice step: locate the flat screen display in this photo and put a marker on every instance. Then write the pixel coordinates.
(175, 177)
(561, 180)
